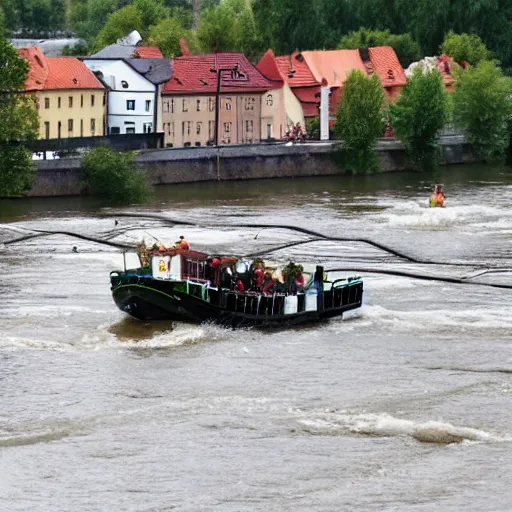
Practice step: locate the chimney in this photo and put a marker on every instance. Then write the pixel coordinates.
(184, 49)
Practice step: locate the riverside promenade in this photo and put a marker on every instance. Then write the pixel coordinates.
(255, 161)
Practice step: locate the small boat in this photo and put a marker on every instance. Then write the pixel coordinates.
(190, 286)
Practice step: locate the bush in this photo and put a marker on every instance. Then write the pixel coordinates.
(113, 176)
(359, 120)
(465, 47)
(419, 115)
(482, 108)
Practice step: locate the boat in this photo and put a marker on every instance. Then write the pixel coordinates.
(190, 286)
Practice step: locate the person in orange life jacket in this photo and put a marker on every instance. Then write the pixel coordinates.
(182, 244)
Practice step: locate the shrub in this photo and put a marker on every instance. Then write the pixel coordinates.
(359, 121)
(482, 108)
(113, 176)
(419, 115)
(465, 47)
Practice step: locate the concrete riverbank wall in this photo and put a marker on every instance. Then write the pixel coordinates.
(167, 166)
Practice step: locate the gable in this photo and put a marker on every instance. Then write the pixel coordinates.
(119, 76)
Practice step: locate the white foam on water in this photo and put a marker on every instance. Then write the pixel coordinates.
(425, 319)
(385, 425)
(18, 342)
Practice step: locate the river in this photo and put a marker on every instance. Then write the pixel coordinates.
(405, 405)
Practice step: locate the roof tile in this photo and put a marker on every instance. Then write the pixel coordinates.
(295, 71)
(193, 74)
(50, 73)
(387, 66)
(148, 52)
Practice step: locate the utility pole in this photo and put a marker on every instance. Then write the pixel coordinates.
(217, 100)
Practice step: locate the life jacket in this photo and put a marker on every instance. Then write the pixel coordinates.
(440, 199)
(433, 200)
(184, 245)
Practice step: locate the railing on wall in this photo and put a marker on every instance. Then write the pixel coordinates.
(76, 145)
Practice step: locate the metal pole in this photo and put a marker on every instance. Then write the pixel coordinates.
(217, 98)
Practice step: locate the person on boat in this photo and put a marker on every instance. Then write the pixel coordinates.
(182, 244)
(258, 276)
(299, 277)
(268, 284)
(438, 197)
(162, 247)
(239, 286)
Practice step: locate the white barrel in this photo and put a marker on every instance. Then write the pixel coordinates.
(290, 304)
(312, 300)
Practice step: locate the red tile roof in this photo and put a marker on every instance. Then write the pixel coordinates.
(332, 67)
(268, 67)
(387, 66)
(445, 65)
(308, 99)
(193, 75)
(51, 73)
(148, 52)
(295, 71)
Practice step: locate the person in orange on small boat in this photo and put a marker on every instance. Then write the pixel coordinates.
(268, 284)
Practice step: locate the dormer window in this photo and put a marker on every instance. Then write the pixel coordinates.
(75, 81)
(124, 84)
(238, 75)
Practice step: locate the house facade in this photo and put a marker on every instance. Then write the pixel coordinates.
(132, 98)
(71, 100)
(279, 108)
(188, 101)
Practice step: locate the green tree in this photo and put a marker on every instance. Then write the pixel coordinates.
(19, 123)
(419, 116)
(465, 47)
(482, 108)
(167, 34)
(406, 49)
(113, 176)
(359, 120)
(229, 26)
(88, 17)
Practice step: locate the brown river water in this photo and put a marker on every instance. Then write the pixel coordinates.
(404, 405)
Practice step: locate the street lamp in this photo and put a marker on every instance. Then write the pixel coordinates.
(217, 98)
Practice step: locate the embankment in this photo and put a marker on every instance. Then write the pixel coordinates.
(257, 161)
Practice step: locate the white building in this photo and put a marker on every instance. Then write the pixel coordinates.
(133, 92)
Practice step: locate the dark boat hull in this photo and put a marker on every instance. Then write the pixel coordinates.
(147, 303)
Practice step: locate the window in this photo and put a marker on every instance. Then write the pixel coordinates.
(198, 128)
(82, 101)
(227, 104)
(130, 104)
(248, 126)
(171, 130)
(81, 127)
(93, 127)
(269, 100)
(115, 130)
(166, 107)
(147, 127)
(198, 105)
(186, 128)
(211, 126)
(211, 104)
(249, 103)
(269, 130)
(59, 129)
(130, 129)
(70, 102)
(148, 105)
(92, 100)
(227, 127)
(173, 103)
(185, 106)
(58, 102)
(46, 130)
(47, 103)
(124, 84)
(70, 125)
(104, 99)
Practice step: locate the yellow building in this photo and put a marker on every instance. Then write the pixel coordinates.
(71, 100)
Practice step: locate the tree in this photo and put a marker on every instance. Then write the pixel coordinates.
(88, 17)
(229, 26)
(113, 176)
(482, 108)
(406, 49)
(167, 34)
(359, 120)
(19, 123)
(465, 47)
(3, 30)
(419, 115)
